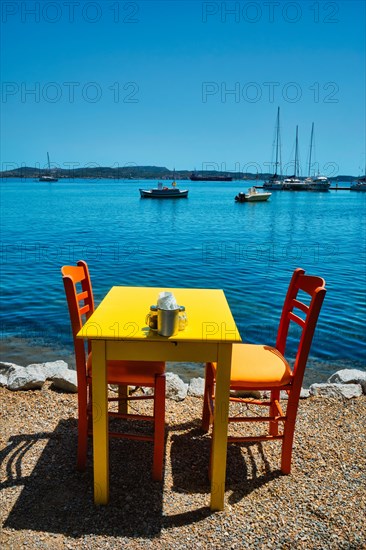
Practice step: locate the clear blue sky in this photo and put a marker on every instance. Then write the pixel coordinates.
(148, 83)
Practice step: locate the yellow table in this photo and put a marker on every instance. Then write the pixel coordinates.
(117, 330)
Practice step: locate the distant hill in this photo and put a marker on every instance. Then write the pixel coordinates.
(94, 172)
(135, 172)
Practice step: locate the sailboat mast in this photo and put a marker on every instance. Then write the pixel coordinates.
(311, 147)
(48, 162)
(277, 137)
(296, 153)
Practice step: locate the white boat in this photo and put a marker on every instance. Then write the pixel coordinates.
(163, 192)
(318, 182)
(48, 177)
(252, 196)
(294, 183)
(274, 182)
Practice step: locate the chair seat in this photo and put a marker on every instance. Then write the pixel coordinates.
(258, 367)
(132, 373)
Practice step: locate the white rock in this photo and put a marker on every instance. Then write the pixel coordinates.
(196, 387)
(336, 390)
(66, 381)
(349, 376)
(304, 394)
(6, 366)
(16, 377)
(5, 369)
(4, 372)
(55, 369)
(26, 378)
(176, 389)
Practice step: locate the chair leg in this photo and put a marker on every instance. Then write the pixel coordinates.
(159, 427)
(209, 471)
(207, 396)
(273, 426)
(123, 405)
(288, 434)
(82, 431)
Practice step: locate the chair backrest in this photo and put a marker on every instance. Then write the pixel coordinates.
(305, 316)
(73, 275)
(80, 304)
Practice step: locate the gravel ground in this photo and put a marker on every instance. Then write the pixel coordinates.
(46, 503)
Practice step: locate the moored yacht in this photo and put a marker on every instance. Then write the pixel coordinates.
(359, 185)
(294, 183)
(274, 182)
(318, 182)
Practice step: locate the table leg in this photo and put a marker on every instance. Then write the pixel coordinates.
(219, 444)
(100, 423)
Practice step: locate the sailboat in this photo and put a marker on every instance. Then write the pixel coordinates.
(359, 184)
(318, 182)
(294, 183)
(48, 177)
(274, 183)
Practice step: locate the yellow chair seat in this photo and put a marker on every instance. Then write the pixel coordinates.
(258, 367)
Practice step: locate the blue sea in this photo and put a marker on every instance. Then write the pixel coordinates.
(205, 241)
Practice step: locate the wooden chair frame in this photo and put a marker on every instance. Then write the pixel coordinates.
(125, 374)
(305, 317)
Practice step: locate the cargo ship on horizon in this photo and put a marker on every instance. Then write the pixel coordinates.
(200, 177)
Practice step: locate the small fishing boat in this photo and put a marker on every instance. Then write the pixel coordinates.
(163, 192)
(252, 196)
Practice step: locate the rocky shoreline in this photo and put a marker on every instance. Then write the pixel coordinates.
(345, 383)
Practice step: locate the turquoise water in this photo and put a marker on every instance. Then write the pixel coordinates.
(207, 241)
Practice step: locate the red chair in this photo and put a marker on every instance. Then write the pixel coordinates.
(264, 368)
(122, 373)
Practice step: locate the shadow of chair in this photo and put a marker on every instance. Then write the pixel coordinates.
(248, 468)
(57, 498)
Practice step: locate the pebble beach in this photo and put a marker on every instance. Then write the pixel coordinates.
(46, 503)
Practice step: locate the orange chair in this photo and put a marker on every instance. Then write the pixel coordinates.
(122, 373)
(264, 368)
